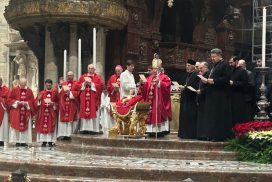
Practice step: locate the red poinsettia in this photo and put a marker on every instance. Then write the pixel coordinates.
(241, 129)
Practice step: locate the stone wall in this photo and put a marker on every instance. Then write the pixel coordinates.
(4, 39)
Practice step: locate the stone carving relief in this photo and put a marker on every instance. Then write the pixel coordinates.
(20, 59)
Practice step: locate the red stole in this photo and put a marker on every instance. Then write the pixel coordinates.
(90, 100)
(4, 93)
(114, 96)
(68, 107)
(19, 117)
(46, 115)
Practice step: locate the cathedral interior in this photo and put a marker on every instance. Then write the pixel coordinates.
(131, 29)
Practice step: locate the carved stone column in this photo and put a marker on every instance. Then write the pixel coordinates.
(73, 50)
(100, 51)
(51, 70)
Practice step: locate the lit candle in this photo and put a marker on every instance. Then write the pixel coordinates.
(79, 59)
(64, 64)
(94, 47)
(264, 37)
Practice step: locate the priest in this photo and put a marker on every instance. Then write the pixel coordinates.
(68, 108)
(89, 88)
(4, 123)
(188, 109)
(46, 118)
(21, 110)
(156, 90)
(127, 81)
(113, 84)
(217, 117)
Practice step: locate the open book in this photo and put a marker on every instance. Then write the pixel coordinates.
(66, 87)
(143, 77)
(47, 100)
(87, 79)
(202, 78)
(115, 85)
(191, 88)
(177, 84)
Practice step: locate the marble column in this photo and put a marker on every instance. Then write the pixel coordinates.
(73, 50)
(101, 51)
(51, 70)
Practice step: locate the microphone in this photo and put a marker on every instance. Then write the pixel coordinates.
(143, 72)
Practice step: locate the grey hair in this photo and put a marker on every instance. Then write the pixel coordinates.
(205, 64)
(216, 51)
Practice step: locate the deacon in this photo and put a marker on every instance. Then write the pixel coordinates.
(113, 84)
(200, 98)
(127, 81)
(4, 123)
(21, 110)
(46, 118)
(89, 88)
(238, 83)
(156, 90)
(217, 115)
(188, 109)
(68, 108)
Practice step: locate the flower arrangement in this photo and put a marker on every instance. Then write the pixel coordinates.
(253, 141)
(240, 130)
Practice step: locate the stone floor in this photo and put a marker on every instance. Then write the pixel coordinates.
(54, 156)
(55, 164)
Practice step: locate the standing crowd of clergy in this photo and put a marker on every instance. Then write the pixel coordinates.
(81, 105)
(221, 97)
(213, 101)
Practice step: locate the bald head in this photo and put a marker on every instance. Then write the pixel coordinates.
(70, 76)
(23, 82)
(242, 63)
(91, 69)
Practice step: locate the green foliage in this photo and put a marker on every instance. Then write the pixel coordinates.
(252, 149)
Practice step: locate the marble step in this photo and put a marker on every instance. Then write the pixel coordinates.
(148, 153)
(58, 163)
(4, 175)
(149, 143)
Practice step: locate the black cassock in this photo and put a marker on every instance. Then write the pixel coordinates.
(250, 97)
(217, 118)
(188, 109)
(238, 93)
(200, 98)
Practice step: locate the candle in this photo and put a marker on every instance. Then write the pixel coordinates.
(79, 59)
(94, 47)
(64, 64)
(264, 37)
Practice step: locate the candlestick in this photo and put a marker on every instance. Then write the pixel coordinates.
(264, 37)
(94, 47)
(64, 64)
(79, 59)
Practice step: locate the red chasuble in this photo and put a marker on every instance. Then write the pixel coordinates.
(149, 91)
(19, 117)
(114, 96)
(4, 93)
(90, 100)
(124, 108)
(46, 114)
(68, 107)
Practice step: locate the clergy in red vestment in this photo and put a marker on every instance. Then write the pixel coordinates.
(46, 118)
(4, 124)
(68, 108)
(89, 88)
(113, 84)
(156, 90)
(21, 110)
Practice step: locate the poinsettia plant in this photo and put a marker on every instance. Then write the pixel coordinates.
(241, 129)
(253, 141)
